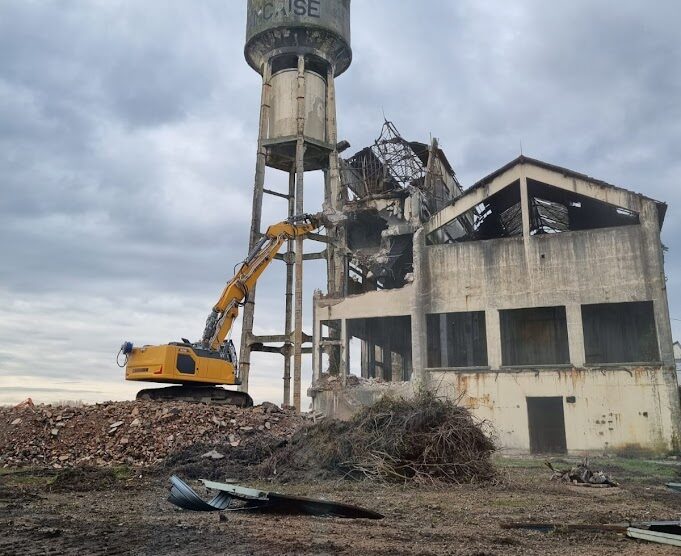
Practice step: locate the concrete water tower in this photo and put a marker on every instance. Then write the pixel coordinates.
(298, 47)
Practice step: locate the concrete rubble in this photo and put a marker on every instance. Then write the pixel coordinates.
(133, 433)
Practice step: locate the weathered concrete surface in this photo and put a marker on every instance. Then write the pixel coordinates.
(380, 303)
(622, 410)
(593, 266)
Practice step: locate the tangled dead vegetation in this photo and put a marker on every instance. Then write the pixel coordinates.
(422, 439)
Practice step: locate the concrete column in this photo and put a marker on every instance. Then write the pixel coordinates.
(573, 315)
(650, 226)
(419, 337)
(344, 367)
(530, 267)
(493, 331)
(288, 324)
(249, 309)
(316, 339)
(444, 341)
(334, 198)
(364, 365)
(378, 358)
(397, 365)
(300, 176)
(524, 203)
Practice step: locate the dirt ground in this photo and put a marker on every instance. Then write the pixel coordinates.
(121, 512)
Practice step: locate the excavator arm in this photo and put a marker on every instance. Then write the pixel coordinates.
(235, 293)
(197, 368)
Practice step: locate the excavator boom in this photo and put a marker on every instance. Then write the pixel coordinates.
(198, 366)
(235, 293)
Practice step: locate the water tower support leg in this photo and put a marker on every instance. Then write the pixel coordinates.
(249, 309)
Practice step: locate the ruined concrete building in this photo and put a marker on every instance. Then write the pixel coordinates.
(537, 297)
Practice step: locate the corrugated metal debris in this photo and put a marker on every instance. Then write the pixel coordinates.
(654, 536)
(234, 497)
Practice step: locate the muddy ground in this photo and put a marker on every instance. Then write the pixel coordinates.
(121, 512)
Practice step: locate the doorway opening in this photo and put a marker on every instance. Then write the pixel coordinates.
(546, 421)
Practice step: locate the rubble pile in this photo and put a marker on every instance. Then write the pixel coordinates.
(134, 433)
(330, 382)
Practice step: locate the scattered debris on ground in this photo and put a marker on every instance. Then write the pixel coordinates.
(668, 527)
(581, 475)
(422, 439)
(661, 532)
(651, 535)
(237, 498)
(138, 433)
(676, 487)
(133, 518)
(242, 462)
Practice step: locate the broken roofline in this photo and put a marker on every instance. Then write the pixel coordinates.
(446, 215)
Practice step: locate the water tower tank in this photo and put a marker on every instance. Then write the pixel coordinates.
(278, 34)
(319, 28)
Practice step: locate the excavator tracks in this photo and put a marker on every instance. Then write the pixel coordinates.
(197, 394)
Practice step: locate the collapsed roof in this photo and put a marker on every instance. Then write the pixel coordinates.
(559, 200)
(393, 186)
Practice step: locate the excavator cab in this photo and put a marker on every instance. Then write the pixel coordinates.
(196, 370)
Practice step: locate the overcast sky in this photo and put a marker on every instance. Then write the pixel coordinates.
(128, 137)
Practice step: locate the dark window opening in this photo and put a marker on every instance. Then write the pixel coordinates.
(500, 215)
(186, 364)
(290, 61)
(457, 339)
(620, 333)
(553, 210)
(284, 62)
(364, 229)
(536, 336)
(316, 65)
(378, 262)
(546, 423)
(385, 347)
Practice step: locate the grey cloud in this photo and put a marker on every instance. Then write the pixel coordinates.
(128, 130)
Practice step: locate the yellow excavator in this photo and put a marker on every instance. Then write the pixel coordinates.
(198, 368)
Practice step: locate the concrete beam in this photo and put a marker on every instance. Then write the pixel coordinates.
(601, 192)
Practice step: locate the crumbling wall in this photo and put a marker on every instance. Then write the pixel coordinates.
(392, 187)
(388, 190)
